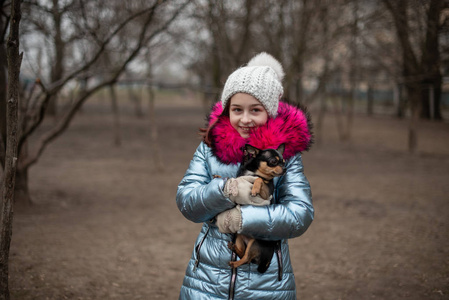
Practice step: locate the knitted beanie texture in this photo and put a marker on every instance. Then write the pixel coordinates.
(261, 78)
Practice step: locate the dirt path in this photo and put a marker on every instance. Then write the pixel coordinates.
(105, 224)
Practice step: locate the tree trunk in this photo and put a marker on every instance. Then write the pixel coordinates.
(431, 64)
(154, 132)
(349, 116)
(136, 100)
(370, 101)
(21, 191)
(299, 56)
(57, 69)
(116, 116)
(51, 107)
(12, 140)
(414, 96)
(3, 83)
(354, 76)
(431, 98)
(339, 113)
(154, 136)
(401, 102)
(412, 134)
(320, 119)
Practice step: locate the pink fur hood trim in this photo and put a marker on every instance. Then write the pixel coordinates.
(291, 127)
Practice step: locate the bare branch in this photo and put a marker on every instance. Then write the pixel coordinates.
(56, 86)
(66, 120)
(39, 116)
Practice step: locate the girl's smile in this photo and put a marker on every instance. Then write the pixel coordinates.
(246, 113)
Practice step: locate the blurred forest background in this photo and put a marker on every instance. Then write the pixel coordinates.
(112, 93)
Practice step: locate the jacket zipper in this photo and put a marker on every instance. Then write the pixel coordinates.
(198, 248)
(233, 275)
(280, 263)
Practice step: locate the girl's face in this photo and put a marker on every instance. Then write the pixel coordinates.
(246, 113)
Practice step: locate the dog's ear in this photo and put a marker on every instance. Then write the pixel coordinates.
(251, 150)
(281, 149)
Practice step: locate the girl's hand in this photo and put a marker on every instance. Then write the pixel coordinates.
(239, 191)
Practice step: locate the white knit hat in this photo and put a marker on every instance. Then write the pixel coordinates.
(261, 78)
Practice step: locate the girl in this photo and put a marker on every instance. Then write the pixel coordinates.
(249, 113)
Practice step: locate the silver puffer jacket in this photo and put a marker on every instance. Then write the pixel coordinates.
(200, 198)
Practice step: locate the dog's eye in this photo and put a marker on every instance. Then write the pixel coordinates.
(272, 162)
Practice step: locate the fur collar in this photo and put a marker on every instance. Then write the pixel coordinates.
(291, 127)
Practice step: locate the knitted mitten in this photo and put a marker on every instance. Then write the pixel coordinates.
(239, 191)
(230, 221)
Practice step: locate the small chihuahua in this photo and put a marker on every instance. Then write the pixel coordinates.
(265, 164)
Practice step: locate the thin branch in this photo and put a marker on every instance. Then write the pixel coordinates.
(56, 86)
(66, 120)
(61, 83)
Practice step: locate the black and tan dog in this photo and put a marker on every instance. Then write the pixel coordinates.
(265, 164)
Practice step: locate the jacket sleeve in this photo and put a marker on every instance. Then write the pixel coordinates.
(292, 214)
(200, 197)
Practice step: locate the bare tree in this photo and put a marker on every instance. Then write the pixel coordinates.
(321, 89)
(226, 41)
(46, 19)
(354, 71)
(301, 29)
(420, 57)
(322, 52)
(152, 19)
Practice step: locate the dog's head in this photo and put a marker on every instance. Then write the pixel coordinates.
(266, 163)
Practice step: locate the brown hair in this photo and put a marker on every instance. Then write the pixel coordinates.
(205, 133)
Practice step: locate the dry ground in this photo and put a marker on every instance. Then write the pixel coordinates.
(105, 225)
